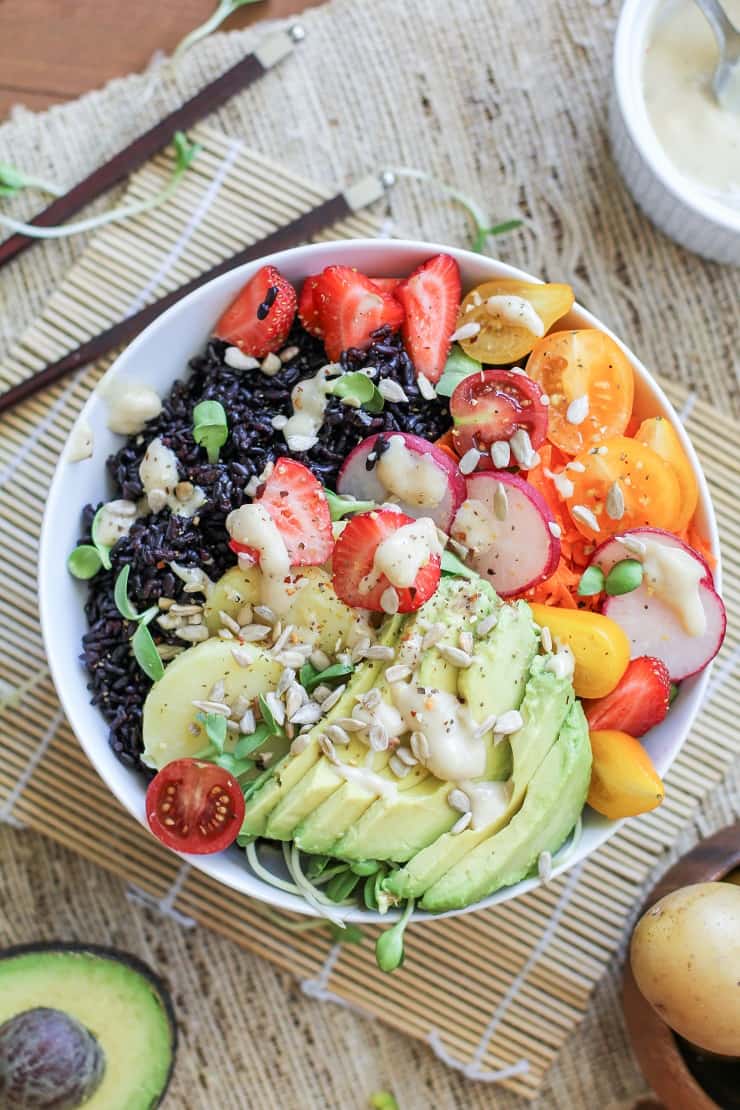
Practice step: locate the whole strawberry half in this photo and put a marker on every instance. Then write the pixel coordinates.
(259, 319)
(431, 300)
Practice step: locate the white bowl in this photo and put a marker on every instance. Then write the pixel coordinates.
(686, 214)
(158, 356)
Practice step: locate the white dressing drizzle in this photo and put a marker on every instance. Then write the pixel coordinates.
(476, 526)
(402, 555)
(674, 576)
(455, 752)
(365, 779)
(253, 526)
(130, 406)
(159, 477)
(410, 476)
(309, 400)
(80, 442)
(115, 520)
(516, 312)
(488, 801)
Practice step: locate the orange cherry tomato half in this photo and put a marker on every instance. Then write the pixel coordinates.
(622, 484)
(194, 806)
(589, 368)
(660, 435)
(501, 339)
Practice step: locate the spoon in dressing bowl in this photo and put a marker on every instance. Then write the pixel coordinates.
(726, 77)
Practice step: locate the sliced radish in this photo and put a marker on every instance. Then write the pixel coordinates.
(505, 523)
(653, 624)
(421, 478)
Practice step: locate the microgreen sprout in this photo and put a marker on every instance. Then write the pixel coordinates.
(185, 153)
(13, 180)
(383, 1100)
(311, 678)
(482, 228)
(223, 11)
(120, 595)
(339, 506)
(450, 564)
(591, 582)
(624, 577)
(210, 427)
(458, 366)
(360, 389)
(341, 886)
(146, 654)
(102, 548)
(673, 694)
(389, 945)
(84, 561)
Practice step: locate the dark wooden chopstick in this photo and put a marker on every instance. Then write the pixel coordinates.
(274, 48)
(300, 229)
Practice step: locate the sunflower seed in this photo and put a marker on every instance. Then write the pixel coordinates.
(276, 707)
(377, 737)
(544, 866)
(432, 636)
(380, 651)
(294, 699)
(486, 625)
(469, 461)
(287, 678)
(224, 634)
(327, 748)
(577, 410)
(242, 657)
(192, 633)
(217, 691)
(546, 639)
(360, 649)
(265, 613)
(319, 659)
(419, 746)
(485, 726)
(244, 616)
(586, 516)
(271, 365)
(186, 610)
(351, 724)
(282, 638)
(250, 633)
(206, 706)
(615, 502)
(389, 600)
(465, 331)
(170, 622)
(459, 800)
(637, 547)
(321, 693)
(522, 450)
(406, 756)
(500, 454)
(288, 353)
(247, 724)
(555, 529)
(308, 714)
(456, 656)
(397, 673)
(299, 745)
(290, 658)
(575, 466)
(500, 502)
(332, 698)
(392, 391)
(461, 824)
(237, 360)
(509, 722)
(228, 622)
(337, 735)
(425, 387)
(399, 768)
(165, 602)
(371, 700)
(465, 642)
(458, 548)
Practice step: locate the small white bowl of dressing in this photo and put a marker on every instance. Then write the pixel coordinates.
(677, 149)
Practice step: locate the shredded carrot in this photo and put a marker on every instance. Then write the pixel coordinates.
(693, 537)
(445, 444)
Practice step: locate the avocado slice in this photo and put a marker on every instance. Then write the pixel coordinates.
(552, 804)
(400, 826)
(292, 768)
(74, 999)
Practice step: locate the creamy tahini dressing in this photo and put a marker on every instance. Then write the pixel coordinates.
(309, 399)
(674, 576)
(115, 520)
(701, 138)
(253, 526)
(385, 715)
(515, 312)
(80, 443)
(455, 752)
(476, 526)
(366, 779)
(488, 801)
(159, 477)
(410, 476)
(402, 555)
(130, 406)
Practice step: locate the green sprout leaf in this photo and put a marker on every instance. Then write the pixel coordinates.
(458, 366)
(624, 577)
(365, 867)
(102, 549)
(120, 595)
(255, 784)
(341, 886)
(267, 717)
(482, 234)
(13, 180)
(336, 670)
(247, 744)
(223, 11)
(185, 153)
(146, 654)
(592, 582)
(234, 766)
(673, 694)
(383, 1100)
(210, 427)
(84, 562)
(450, 564)
(315, 866)
(360, 388)
(389, 945)
(339, 506)
(215, 728)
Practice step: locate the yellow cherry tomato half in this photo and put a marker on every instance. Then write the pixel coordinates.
(512, 322)
(624, 781)
(600, 647)
(622, 484)
(660, 435)
(590, 383)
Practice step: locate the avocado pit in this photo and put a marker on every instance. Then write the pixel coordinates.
(48, 1061)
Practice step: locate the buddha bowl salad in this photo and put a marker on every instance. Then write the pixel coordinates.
(395, 578)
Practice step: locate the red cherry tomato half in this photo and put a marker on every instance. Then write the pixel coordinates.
(491, 406)
(193, 806)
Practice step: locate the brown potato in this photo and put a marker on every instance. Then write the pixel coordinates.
(685, 955)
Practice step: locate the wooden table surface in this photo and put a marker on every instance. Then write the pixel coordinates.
(54, 50)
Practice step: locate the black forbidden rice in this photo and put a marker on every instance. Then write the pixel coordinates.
(251, 399)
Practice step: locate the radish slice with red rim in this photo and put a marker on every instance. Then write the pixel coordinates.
(677, 617)
(422, 479)
(505, 524)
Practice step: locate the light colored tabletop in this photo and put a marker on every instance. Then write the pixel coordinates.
(52, 51)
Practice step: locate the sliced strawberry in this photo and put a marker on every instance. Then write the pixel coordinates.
(259, 319)
(350, 308)
(353, 564)
(387, 285)
(307, 311)
(640, 700)
(296, 501)
(431, 299)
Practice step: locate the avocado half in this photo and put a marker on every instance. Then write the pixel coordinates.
(96, 1028)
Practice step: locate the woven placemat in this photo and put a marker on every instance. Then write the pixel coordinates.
(495, 993)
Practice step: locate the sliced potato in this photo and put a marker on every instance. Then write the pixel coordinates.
(169, 726)
(233, 590)
(500, 341)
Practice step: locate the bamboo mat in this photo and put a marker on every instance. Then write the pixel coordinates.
(494, 993)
